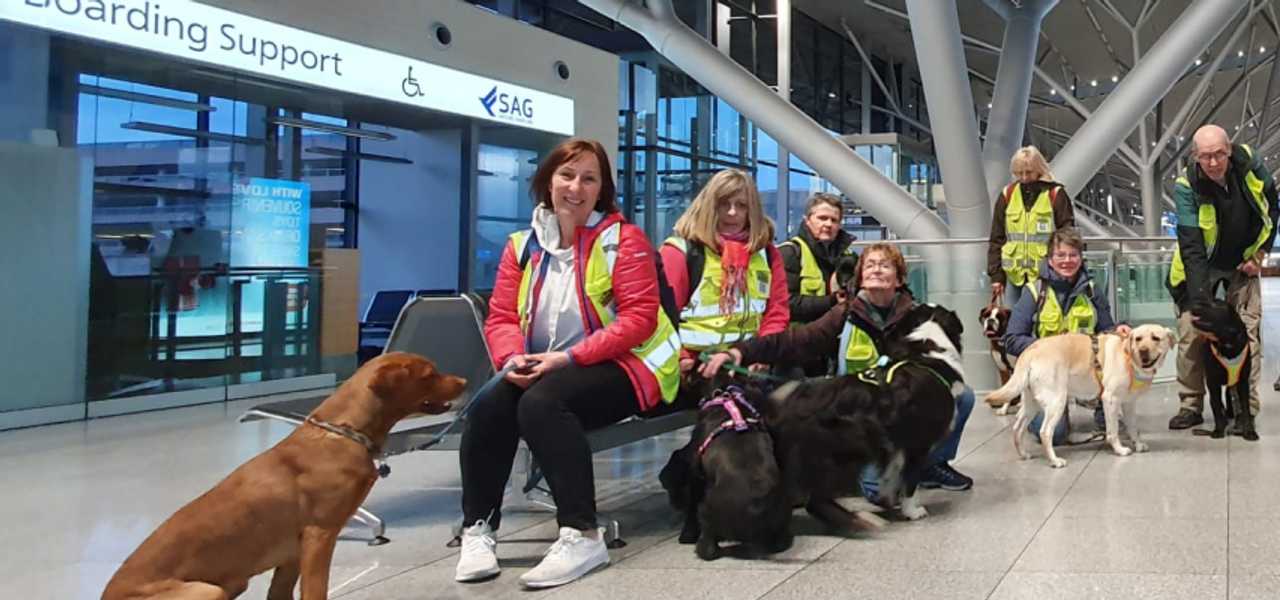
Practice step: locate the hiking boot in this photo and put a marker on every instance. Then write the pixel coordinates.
(1185, 419)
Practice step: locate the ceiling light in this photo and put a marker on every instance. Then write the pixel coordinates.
(1198, 61)
(192, 133)
(1262, 48)
(380, 136)
(1240, 53)
(1093, 82)
(341, 152)
(831, 95)
(1053, 92)
(1114, 79)
(146, 98)
(988, 105)
(1073, 87)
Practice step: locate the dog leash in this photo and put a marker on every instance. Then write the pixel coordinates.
(706, 355)
(466, 410)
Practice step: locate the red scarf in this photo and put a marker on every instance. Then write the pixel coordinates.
(734, 256)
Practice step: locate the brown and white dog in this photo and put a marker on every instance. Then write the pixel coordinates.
(994, 319)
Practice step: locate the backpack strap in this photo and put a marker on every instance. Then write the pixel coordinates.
(530, 245)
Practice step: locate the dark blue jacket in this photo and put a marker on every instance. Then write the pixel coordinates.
(1024, 319)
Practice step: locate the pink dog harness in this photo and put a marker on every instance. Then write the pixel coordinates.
(732, 400)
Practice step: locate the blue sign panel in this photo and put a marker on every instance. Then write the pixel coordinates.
(270, 221)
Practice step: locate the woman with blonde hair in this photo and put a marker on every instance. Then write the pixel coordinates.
(723, 268)
(1027, 212)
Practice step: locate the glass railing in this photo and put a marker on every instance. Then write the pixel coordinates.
(1133, 271)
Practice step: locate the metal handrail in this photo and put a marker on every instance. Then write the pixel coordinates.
(962, 241)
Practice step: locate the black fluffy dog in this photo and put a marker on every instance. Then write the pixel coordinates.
(726, 479)
(827, 430)
(1226, 364)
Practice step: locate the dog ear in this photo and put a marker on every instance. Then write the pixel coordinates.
(1171, 338)
(396, 373)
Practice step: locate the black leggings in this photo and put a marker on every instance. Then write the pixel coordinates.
(552, 416)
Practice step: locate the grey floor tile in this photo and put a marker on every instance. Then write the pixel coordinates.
(848, 582)
(1146, 494)
(1253, 586)
(1255, 544)
(1109, 586)
(959, 545)
(1128, 545)
(683, 584)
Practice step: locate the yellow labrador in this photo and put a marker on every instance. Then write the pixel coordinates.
(1055, 369)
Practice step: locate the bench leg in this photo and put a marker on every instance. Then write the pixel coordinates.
(375, 524)
(612, 533)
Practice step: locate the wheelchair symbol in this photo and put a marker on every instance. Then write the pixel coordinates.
(410, 85)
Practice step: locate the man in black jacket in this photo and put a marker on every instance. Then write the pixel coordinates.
(1227, 208)
(810, 258)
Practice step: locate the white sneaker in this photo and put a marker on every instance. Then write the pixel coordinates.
(571, 557)
(478, 560)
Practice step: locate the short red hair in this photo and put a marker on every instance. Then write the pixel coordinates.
(890, 252)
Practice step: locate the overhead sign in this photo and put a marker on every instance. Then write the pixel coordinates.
(199, 32)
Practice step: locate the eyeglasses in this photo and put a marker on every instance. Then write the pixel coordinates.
(1066, 256)
(1212, 157)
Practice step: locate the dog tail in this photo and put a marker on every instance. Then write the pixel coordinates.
(1012, 388)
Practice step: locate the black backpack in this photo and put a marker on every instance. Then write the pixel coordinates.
(665, 295)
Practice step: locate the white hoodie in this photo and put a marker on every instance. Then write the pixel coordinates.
(559, 318)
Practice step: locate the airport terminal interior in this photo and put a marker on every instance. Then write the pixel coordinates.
(216, 212)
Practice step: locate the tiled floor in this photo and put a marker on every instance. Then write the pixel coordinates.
(1194, 518)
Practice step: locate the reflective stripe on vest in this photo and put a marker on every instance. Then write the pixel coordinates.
(857, 351)
(812, 283)
(1207, 219)
(702, 326)
(660, 353)
(1027, 235)
(1080, 318)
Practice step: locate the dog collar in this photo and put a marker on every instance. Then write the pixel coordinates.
(345, 432)
(1233, 366)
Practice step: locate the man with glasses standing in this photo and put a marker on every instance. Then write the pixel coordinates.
(1227, 209)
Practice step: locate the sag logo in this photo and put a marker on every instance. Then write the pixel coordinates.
(507, 105)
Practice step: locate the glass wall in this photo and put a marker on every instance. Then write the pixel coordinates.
(190, 235)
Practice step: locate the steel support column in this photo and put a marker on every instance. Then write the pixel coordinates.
(834, 160)
(935, 29)
(1138, 93)
(783, 9)
(1150, 201)
(1013, 87)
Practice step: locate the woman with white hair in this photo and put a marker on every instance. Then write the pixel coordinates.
(1027, 212)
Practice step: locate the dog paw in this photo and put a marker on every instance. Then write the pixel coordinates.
(1218, 434)
(1123, 450)
(1024, 455)
(1250, 436)
(1057, 463)
(1140, 446)
(1002, 411)
(914, 512)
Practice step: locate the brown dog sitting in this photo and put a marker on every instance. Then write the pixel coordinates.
(284, 509)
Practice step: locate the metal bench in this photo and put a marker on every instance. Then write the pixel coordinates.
(450, 331)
